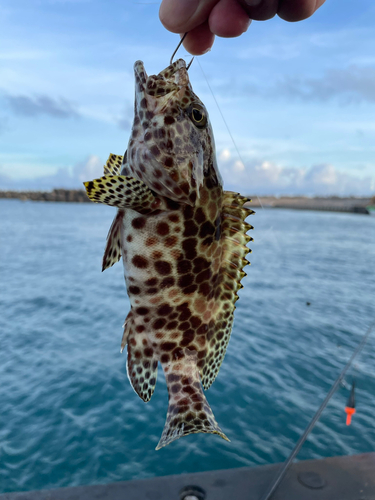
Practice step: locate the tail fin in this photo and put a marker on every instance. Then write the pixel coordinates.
(188, 409)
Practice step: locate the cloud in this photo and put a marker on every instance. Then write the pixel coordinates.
(41, 105)
(265, 177)
(251, 177)
(3, 124)
(349, 85)
(61, 178)
(224, 155)
(353, 84)
(89, 169)
(64, 177)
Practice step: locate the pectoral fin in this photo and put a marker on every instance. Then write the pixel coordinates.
(123, 192)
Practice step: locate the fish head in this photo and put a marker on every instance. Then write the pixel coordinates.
(171, 148)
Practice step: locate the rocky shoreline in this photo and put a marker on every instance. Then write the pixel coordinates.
(332, 203)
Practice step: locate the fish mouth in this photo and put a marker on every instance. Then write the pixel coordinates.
(172, 78)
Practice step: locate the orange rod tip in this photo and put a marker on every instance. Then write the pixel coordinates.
(349, 413)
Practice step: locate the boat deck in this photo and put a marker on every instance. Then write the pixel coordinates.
(337, 478)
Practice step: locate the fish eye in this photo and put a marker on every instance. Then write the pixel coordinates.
(197, 115)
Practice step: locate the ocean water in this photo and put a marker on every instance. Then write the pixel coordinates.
(68, 415)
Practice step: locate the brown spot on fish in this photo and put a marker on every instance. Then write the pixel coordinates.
(168, 346)
(142, 311)
(139, 262)
(163, 267)
(164, 310)
(176, 254)
(184, 266)
(168, 120)
(167, 282)
(151, 241)
(151, 282)
(171, 241)
(162, 228)
(139, 222)
(174, 218)
(173, 293)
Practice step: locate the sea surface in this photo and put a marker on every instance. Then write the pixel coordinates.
(68, 415)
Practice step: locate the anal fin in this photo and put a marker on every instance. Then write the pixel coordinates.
(112, 252)
(127, 329)
(142, 365)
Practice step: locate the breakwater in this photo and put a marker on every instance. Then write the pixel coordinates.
(332, 203)
(62, 195)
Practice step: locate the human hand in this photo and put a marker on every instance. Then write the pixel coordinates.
(203, 19)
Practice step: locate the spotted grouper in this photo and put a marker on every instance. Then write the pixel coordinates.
(183, 244)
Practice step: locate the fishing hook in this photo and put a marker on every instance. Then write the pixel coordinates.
(178, 46)
(188, 66)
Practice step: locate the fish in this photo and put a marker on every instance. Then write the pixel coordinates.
(183, 241)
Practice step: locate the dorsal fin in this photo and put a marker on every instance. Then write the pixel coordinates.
(113, 165)
(234, 250)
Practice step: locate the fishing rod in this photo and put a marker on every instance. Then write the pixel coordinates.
(302, 439)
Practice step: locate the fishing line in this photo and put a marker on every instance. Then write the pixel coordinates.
(225, 123)
(284, 469)
(272, 232)
(302, 439)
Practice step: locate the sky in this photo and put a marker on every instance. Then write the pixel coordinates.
(295, 112)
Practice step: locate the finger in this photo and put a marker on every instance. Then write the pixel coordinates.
(180, 16)
(297, 10)
(260, 10)
(199, 40)
(228, 19)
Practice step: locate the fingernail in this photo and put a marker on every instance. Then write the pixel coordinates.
(252, 3)
(247, 25)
